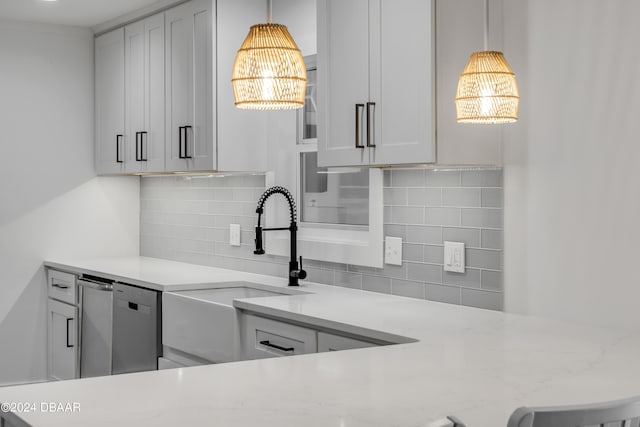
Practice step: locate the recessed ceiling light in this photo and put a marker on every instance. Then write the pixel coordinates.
(49, 0)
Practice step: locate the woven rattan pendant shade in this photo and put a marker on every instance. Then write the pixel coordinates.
(269, 72)
(487, 90)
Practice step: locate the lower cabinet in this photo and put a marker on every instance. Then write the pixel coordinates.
(62, 355)
(263, 338)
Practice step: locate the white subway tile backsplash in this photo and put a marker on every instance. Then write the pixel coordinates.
(407, 288)
(188, 220)
(492, 239)
(482, 299)
(407, 215)
(442, 216)
(448, 178)
(492, 280)
(440, 293)
(471, 278)
(425, 197)
(492, 198)
(433, 254)
(482, 178)
(484, 258)
(424, 234)
(407, 177)
(424, 272)
(412, 252)
(348, 280)
(395, 196)
(376, 284)
(469, 236)
(461, 197)
(481, 217)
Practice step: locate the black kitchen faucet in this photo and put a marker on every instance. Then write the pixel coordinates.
(295, 271)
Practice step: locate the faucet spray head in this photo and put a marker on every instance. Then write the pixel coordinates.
(259, 249)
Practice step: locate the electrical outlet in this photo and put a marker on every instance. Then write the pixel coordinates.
(393, 250)
(454, 257)
(234, 234)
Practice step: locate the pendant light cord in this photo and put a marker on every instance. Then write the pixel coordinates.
(270, 10)
(486, 25)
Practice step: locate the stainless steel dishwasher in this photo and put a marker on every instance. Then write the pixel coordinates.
(96, 320)
(137, 340)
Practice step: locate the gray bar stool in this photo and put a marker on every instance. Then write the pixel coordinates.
(618, 413)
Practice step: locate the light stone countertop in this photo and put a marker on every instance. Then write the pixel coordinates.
(476, 364)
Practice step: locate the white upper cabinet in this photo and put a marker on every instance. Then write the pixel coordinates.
(178, 114)
(375, 82)
(109, 102)
(189, 87)
(144, 88)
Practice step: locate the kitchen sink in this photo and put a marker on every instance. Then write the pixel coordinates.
(226, 296)
(203, 324)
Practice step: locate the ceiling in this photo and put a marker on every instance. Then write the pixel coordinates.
(84, 13)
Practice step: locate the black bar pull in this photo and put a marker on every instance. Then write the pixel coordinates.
(138, 147)
(358, 114)
(68, 320)
(143, 151)
(277, 347)
(180, 141)
(133, 306)
(118, 141)
(186, 142)
(370, 120)
(55, 285)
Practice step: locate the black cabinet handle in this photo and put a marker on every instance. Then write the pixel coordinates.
(358, 114)
(186, 142)
(68, 320)
(118, 141)
(370, 120)
(277, 347)
(144, 146)
(140, 139)
(55, 285)
(137, 146)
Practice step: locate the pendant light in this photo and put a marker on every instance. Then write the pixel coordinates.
(487, 89)
(269, 72)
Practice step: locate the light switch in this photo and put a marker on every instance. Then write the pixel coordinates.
(234, 234)
(393, 250)
(454, 257)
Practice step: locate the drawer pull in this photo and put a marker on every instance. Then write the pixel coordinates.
(277, 347)
(55, 285)
(68, 344)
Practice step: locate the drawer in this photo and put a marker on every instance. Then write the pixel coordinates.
(331, 342)
(265, 338)
(62, 286)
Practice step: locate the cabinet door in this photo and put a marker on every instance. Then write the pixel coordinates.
(343, 81)
(189, 87)
(402, 119)
(109, 102)
(62, 354)
(330, 342)
(144, 79)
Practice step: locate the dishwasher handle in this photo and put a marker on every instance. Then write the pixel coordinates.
(106, 287)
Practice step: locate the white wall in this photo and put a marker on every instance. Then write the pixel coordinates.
(572, 175)
(51, 203)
